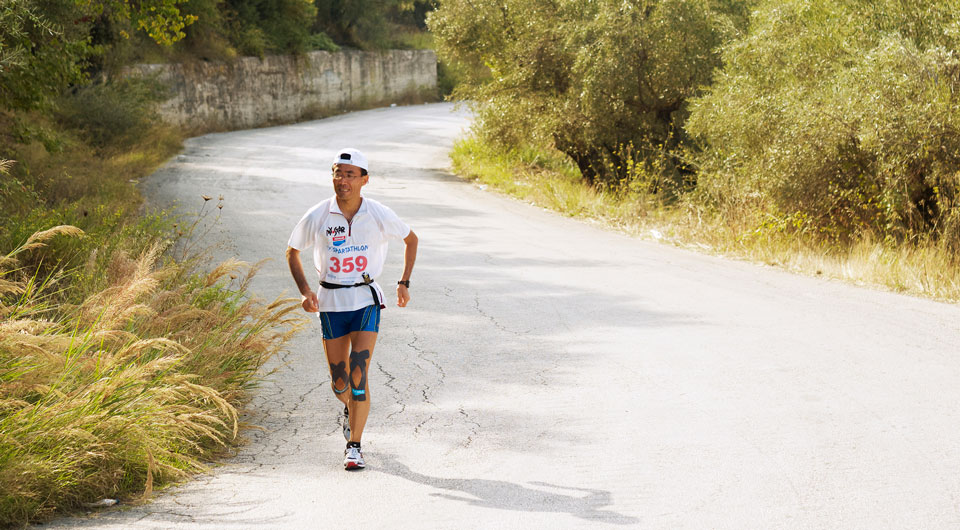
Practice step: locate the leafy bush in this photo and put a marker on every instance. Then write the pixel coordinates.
(839, 117)
(323, 42)
(369, 23)
(114, 113)
(207, 38)
(449, 76)
(590, 78)
(275, 26)
(251, 42)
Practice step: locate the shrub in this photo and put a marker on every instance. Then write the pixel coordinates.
(357, 23)
(839, 117)
(589, 78)
(251, 42)
(275, 26)
(115, 113)
(322, 41)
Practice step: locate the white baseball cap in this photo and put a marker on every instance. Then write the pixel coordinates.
(349, 155)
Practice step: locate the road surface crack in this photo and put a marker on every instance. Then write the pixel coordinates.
(396, 391)
(474, 431)
(494, 321)
(416, 430)
(422, 355)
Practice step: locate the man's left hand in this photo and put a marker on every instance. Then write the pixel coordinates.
(403, 295)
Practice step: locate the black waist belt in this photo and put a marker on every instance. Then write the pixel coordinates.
(368, 283)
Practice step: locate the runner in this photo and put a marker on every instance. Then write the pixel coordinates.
(349, 235)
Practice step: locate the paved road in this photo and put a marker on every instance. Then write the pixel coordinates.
(552, 374)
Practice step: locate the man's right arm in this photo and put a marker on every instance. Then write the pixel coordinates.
(308, 298)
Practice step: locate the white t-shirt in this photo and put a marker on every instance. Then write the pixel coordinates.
(343, 251)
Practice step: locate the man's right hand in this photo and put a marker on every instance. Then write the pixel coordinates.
(309, 302)
(309, 299)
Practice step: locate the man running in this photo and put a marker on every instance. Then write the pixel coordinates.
(349, 235)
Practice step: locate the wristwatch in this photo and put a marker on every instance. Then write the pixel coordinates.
(405, 283)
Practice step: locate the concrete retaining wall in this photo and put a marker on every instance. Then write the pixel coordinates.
(251, 92)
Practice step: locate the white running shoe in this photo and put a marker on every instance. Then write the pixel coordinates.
(352, 458)
(346, 423)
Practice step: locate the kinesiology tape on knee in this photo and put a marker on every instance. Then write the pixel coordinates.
(339, 371)
(358, 360)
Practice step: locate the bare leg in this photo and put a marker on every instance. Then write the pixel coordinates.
(338, 357)
(361, 352)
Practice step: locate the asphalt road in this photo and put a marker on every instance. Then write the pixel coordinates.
(552, 374)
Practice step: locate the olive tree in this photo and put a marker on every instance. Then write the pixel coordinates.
(842, 116)
(606, 82)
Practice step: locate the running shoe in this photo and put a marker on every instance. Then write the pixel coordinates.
(346, 423)
(352, 458)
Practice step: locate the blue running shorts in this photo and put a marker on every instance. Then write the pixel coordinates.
(339, 323)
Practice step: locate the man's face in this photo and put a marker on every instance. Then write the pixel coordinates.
(347, 181)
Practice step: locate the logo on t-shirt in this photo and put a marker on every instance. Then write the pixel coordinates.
(337, 233)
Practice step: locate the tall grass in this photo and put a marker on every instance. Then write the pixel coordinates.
(122, 367)
(134, 386)
(543, 177)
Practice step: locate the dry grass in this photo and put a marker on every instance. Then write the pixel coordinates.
(120, 369)
(74, 172)
(928, 268)
(132, 388)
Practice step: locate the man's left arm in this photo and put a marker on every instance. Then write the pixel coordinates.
(409, 257)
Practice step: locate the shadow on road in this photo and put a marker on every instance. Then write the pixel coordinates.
(503, 495)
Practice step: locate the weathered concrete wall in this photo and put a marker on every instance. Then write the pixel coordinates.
(251, 92)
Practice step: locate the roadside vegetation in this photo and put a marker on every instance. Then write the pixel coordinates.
(125, 357)
(121, 368)
(819, 137)
(123, 374)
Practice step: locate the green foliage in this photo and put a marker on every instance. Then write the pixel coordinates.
(839, 117)
(450, 75)
(47, 46)
(537, 174)
(162, 20)
(205, 39)
(371, 23)
(116, 113)
(41, 51)
(75, 185)
(251, 41)
(270, 26)
(590, 78)
(322, 42)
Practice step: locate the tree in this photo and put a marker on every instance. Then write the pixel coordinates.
(604, 82)
(39, 55)
(360, 22)
(45, 44)
(261, 26)
(843, 115)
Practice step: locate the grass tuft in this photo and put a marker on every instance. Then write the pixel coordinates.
(129, 390)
